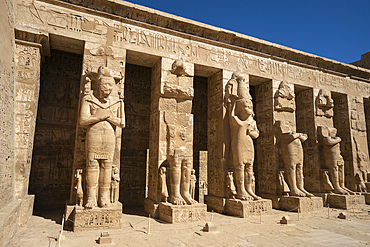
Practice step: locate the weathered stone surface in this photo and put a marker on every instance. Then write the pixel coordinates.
(97, 218)
(305, 204)
(245, 209)
(215, 203)
(181, 213)
(345, 201)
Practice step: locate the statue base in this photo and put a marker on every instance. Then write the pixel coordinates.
(245, 209)
(345, 201)
(305, 204)
(367, 198)
(81, 219)
(215, 203)
(175, 213)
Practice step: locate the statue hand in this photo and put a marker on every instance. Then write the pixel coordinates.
(102, 118)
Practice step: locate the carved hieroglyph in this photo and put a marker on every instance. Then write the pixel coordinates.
(324, 104)
(333, 159)
(243, 129)
(292, 155)
(103, 113)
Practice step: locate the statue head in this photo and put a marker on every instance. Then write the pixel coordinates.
(244, 106)
(192, 171)
(323, 131)
(332, 132)
(162, 170)
(105, 82)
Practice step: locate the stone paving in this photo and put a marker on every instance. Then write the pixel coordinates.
(312, 229)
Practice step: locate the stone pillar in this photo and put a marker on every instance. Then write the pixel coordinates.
(358, 170)
(96, 56)
(171, 143)
(27, 86)
(218, 143)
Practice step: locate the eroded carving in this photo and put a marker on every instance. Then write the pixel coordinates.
(292, 155)
(333, 159)
(193, 180)
(284, 98)
(103, 114)
(114, 188)
(78, 188)
(324, 104)
(163, 184)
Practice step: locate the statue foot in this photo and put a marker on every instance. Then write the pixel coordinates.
(177, 200)
(297, 192)
(341, 191)
(91, 204)
(189, 200)
(243, 196)
(308, 194)
(254, 196)
(349, 191)
(104, 203)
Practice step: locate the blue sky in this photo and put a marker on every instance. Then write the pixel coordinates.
(338, 30)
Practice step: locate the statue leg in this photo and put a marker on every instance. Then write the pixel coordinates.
(186, 166)
(249, 181)
(333, 174)
(175, 178)
(341, 179)
(292, 180)
(92, 171)
(104, 183)
(300, 180)
(241, 193)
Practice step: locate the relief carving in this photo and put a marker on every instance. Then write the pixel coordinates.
(333, 159)
(79, 190)
(292, 155)
(324, 104)
(114, 189)
(102, 112)
(284, 98)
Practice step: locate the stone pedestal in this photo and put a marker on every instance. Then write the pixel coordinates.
(345, 201)
(305, 204)
(245, 209)
(151, 207)
(97, 218)
(181, 213)
(215, 203)
(367, 198)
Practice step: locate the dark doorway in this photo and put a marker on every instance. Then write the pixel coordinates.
(52, 158)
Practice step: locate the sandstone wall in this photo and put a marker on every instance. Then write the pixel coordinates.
(9, 208)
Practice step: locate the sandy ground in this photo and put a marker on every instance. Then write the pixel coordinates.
(312, 229)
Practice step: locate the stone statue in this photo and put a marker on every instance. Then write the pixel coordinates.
(114, 189)
(79, 190)
(231, 191)
(193, 180)
(333, 159)
(283, 186)
(102, 113)
(292, 155)
(325, 182)
(360, 183)
(284, 98)
(236, 88)
(324, 104)
(163, 184)
(243, 129)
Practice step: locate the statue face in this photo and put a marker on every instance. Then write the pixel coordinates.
(332, 132)
(284, 126)
(106, 86)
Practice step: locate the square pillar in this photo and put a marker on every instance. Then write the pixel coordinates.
(27, 87)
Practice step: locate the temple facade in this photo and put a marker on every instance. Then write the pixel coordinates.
(107, 103)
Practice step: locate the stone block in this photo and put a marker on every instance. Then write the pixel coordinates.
(285, 220)
(181, 213)
(345, 201)
(97, 218)
(215, 203)
(245, 209)
(26, 210)
(150, 207)
(305, 204)
(210, 227)
(367, 198)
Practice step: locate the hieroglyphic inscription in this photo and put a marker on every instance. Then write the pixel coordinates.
(26, 96)
(55, 134)
(122, 34)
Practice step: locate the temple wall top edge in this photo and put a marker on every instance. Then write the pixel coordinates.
(161, 19)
